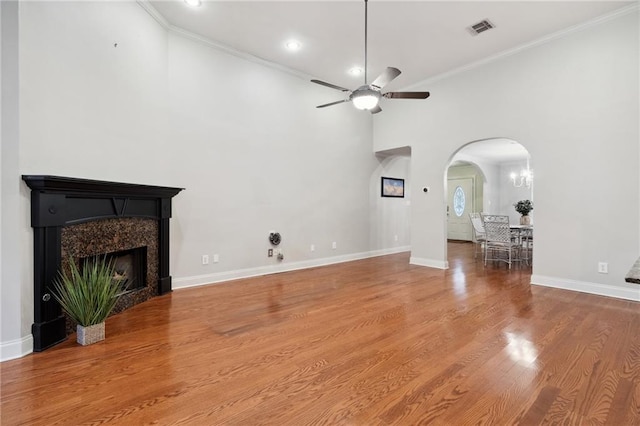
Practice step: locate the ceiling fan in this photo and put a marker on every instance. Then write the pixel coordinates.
(367, 96)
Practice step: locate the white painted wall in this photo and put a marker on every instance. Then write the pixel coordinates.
(573, 104)
(391, 217)
(255, 155)
(15, 299)
(90, 109)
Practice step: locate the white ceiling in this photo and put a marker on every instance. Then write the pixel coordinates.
(421, 38)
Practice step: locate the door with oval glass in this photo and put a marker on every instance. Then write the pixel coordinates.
(460, 204)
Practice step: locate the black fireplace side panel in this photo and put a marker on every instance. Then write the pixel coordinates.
(48, 328)
(164, 284)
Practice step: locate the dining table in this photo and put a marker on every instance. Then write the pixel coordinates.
(524, 236)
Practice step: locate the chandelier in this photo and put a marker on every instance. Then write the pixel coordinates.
(525, 178)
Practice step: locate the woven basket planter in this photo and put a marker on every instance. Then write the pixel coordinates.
(90, 334)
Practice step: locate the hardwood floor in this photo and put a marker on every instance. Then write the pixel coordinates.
(371, 342)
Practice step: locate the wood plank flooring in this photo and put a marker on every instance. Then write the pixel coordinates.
(371, 342)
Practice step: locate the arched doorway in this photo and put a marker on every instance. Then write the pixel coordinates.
(488, 176)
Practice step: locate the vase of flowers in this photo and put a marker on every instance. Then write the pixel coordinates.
(524, 207)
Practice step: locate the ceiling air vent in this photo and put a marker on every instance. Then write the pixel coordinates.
(481, 27)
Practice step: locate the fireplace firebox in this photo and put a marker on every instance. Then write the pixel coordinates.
(78, 218)
(129, 266)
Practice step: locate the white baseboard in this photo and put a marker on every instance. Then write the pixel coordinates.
(431, 263)
(198, 280)
(16, 348)
(587, 287)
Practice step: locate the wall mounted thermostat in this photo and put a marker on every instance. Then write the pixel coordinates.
(275, 238)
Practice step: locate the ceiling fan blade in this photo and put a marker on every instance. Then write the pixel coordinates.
(386, 77)
(332, 86)
(375, 110)
(406, 95)
(332, 103)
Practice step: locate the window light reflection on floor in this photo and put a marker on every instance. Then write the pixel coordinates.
(521, 350)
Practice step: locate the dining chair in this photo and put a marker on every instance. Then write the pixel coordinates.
(478, 233)
(499, 240)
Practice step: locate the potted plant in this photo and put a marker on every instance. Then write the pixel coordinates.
(524, 207)
(88, 295)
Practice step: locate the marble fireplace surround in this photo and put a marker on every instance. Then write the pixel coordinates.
(99, 237)
(76, 218)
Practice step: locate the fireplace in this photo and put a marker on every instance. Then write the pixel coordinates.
(74, 219)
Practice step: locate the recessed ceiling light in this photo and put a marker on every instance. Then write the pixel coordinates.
(193, 3)
(293, 45)
(355, 71)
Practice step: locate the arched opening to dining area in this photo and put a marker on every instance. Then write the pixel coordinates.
(491, 179)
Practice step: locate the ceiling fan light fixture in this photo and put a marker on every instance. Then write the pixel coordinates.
(193, 3)
(365, 99)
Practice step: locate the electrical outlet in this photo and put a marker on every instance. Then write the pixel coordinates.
(313, 247)
(603, 267)
(334, 245)
(216, 258)
(205, 259)
(270, 253)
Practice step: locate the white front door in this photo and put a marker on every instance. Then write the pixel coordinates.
(460, 204)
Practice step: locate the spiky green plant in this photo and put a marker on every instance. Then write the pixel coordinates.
(88, 294)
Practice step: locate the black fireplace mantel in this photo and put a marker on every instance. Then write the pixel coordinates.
(57, 202)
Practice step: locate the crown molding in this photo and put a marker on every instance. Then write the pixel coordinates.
(218, 46)
(154, 14)
(430, 80)
(237, 53)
